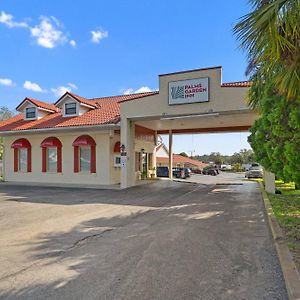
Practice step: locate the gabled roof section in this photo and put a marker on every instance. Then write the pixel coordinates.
(182, 159)
(106, 112)
(237, 84)
(162, 145)
(78, 98)
(38, 104)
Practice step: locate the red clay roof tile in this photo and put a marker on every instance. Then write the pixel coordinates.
(237, 84)
(107, 111)
(182, 159)
(78, 98)
(40, 104)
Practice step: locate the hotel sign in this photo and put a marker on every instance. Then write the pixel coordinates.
(188, 91)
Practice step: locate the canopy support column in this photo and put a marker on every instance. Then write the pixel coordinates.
(170, 154)
(127, 153)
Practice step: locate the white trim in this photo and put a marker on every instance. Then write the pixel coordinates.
(71, 96)
(191, 116)
(20, 109)
(70, 128)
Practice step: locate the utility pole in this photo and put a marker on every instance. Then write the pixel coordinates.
(192, 151)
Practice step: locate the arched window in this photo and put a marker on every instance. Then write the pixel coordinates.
(84, 154)
(51, 155)
(22, 155)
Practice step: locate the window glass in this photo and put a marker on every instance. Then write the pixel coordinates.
(52, 160)
(85, 159)
(70, 108)
(23, 159)
(30, 113)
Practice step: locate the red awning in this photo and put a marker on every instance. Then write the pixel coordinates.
(84, 140)
(51, 142)
(117, 148)
(20, 143)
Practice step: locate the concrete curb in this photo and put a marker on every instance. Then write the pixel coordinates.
(288, 267)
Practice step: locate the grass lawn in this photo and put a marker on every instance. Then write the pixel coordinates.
(287, 211)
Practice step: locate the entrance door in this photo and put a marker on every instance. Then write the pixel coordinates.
(145, 162)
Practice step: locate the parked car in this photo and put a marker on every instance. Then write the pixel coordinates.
(177, 172)
(210, 171)
(255, 171)
(196, 171)
(182, 173)
(162, 172)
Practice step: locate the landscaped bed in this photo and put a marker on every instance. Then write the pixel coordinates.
(286, 207)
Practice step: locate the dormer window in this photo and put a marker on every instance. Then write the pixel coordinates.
(70, 109)
(30, 113)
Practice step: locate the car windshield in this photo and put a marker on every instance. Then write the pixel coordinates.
(255, 168)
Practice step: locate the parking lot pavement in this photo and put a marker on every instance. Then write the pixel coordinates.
(166, 240)
(223, 177)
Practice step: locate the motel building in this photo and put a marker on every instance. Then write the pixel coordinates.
(112, 140)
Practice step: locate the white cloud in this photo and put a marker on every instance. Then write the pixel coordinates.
(6, 82)
(73, 43)
(73, 86)
(59, 91)
(31, 86)
(98, 35)
(143, 89)
(47, 33)
(8, 20)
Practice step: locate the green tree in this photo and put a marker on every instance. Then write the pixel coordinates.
(275, 136)
(215, 157)
(5, 114)
(183, 154)
(236, 158)
(271, 36)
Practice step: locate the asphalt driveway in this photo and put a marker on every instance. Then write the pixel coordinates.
(159, 241)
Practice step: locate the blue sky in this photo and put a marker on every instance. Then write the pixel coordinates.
(100, 48)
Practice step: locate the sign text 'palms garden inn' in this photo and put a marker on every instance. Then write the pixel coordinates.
(188, 91)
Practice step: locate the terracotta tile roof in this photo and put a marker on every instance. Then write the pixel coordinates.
(237, 84)
(40, 104)
(181, 159)
(107, 111)
(78, 98)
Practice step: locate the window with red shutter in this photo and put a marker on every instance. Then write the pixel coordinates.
(84, 154)
(22, 155)
(51, 155)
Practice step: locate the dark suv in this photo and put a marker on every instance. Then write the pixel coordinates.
(182, 173)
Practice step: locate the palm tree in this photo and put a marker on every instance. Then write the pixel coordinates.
(271, 36)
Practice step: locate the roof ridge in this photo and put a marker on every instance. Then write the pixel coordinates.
(39, 103)
(243, 83)
(118, 96)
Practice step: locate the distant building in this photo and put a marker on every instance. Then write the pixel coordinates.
(179, 161)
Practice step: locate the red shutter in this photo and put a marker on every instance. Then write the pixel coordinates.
(59, 160)
(29, 159)
(93, 159)
(16, 160)
(76, 159)
(44, 160)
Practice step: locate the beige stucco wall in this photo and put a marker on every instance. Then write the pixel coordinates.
(138, 145)
(107, 173)
(103, 158)
(224, 100)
